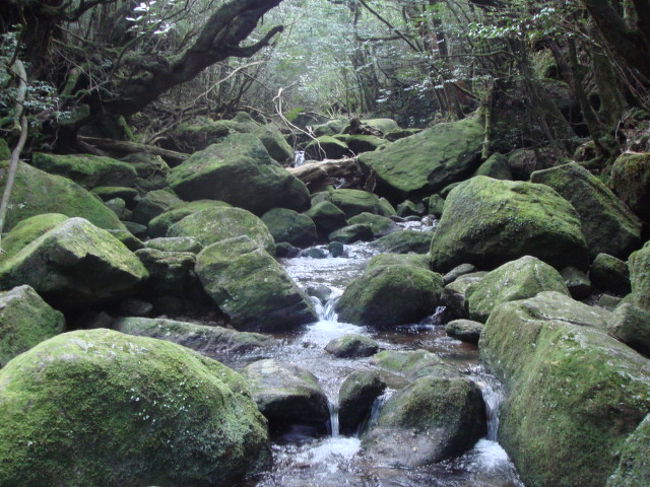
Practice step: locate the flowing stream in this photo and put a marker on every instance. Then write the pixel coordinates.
(336, 460)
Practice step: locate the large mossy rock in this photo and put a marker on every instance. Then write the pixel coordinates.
(429, 420)
(25, 321)
(496, 166)
(415, 260)
(99, 408)
(251, 287)
(380, 225)
(287, 395)
(327, 216)
(75, 265)
(170, 273)
(639, 266)
(572, 389)
(427, 162)
(212, 341)
(634, 468)
(159, 225)
(36, 192)
(87, 170)
(290, 226)
(357, 394)
(487, 222)
(630, 179)
(239, 171)
(155, 203)
(221, 223)
(326, 147)
(404, 242)
(519, 279)
(27, 231)
(351, 201)
(607, 224)
(152, 170)
(391, 295)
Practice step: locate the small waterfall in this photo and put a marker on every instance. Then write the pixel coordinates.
(334, 419)
(493, 396)
(298, 158)
(377, 405)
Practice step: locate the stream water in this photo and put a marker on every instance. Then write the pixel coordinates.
(336, 460)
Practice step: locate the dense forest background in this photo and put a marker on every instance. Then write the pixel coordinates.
(117, 67)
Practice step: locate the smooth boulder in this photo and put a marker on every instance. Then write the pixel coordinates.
(487, 222)
(391, 295)
(357, 394)
(290, 226)
(352, 346)
(630, 180)
(519, 279)
(27, 231)
(639, 266)
(75, 265)
(25, 321)
(249, 286)
(608, 225)
(96, 407)
(239, 171)
(573, 390)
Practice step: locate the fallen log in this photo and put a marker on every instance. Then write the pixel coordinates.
(122, 148)
(317, 176)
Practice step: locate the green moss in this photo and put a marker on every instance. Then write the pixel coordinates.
(27, 231)
(390, 295)
(404, 242)
(87, 170)
(290, 226)
(519, 279)
(608, 225)
(159, 225)
(219, 223)
(487, 222)
(327, 217)
(175, 244)
(385, 125)
(351, 201)
(573, 390)
(25, 321)
(379, 225)
(75, 265)
(630, 180)
(251, 287)
(5, 151)
(98, 408)
(36, 192)
(634, 468)
(326, 147)
(427, 162)
(639, 265)
(361, 143)
(352, 346)
(239, 171)
(107, 193)
(415, 260)
(496, 166)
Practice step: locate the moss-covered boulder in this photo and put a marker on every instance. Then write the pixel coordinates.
(496, 166)
(607, 224)
(287, 395)
(326, 147)
(607, 273)
(404, 242)
(327, 216)
(487, 222)
(356, 397)
(87, 170)
(25, 321)
(572, 389)
(630, 180)
(631, 325)
(27, 231)
(152, 170)
(352, 346)
(384, 125)
(107, 193)
(290, 226)
(170, 273)
(411, 365)
(74, 265)
(332, 127)
(97, 407)
(155, 203)
(577, 282)
(352, 233)
(361, 143)
(519, 279)
(427, 162)
(351, 201)
(221, 223)
(251, 287)
(415, 260)
(390, 295)
(380, 225)
(212, 341)
(159, 225)
(639, 266)
(429, 420)
(464, 330)
(174, 244)
(634, 467)
(239, 171)
(458, 271)
(36, 192)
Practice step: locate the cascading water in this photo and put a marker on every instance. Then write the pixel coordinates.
(336, 460)
(299, 158)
